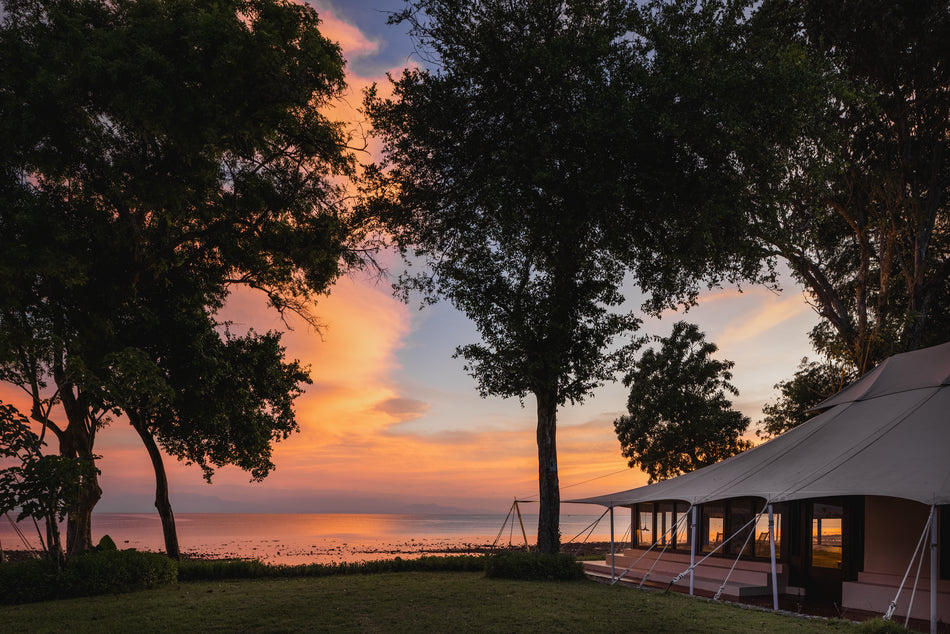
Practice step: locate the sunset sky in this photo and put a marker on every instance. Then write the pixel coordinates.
(392, 420)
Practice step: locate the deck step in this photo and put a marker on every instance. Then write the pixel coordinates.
(734, 589)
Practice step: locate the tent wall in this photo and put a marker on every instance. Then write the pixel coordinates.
(892, 527)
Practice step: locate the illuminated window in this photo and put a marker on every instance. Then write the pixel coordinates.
(826, 535)
(762, 548)
(740, 514)
(713, 527)
(664, 523)
(682, 526)
(645, 525)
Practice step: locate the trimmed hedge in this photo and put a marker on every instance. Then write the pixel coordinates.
(92, 573)
(534, 566)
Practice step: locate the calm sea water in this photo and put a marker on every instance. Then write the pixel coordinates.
(321, 538)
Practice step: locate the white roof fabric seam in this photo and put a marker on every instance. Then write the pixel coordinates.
(855, 450)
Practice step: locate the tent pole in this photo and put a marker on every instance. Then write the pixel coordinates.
(613, 563)
(692, 552)
(772, 554)
(520, 521)
(933, 569)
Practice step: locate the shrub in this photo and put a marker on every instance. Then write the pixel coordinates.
(29, 580)
(534, 566)
(214, 569)
(106, 543)
(116, 571)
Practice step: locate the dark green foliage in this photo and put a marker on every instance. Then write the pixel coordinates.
(533, 168)
(30, 580)
(534, 566)
(679, 418)
(157, 155)
(42, 487)
(191, 570)
(116, 571)
(837, 117)
(89, 574)
(106, 543)
(194, 569)
(813, 382)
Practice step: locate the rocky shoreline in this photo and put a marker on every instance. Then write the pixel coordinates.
(389, 551)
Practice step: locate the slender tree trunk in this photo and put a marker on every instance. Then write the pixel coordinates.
(162, 503)
(549, 533)
(54, 546)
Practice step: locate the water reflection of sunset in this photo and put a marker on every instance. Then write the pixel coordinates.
(826, 542)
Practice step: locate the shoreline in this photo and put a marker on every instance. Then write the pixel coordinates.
(418, 549)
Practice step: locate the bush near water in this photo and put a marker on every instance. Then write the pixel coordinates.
(92, 573)
(118, 571)
(534, 566)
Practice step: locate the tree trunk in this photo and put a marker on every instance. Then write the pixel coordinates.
(162, 503)
(54, 546)
(76, 443)
(549, 533)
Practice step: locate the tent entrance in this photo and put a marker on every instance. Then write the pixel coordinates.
(831, 545)
(825, 531)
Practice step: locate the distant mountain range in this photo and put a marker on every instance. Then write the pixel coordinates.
(281, 503)
(436, 509)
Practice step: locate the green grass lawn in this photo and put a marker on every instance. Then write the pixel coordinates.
(398, 602)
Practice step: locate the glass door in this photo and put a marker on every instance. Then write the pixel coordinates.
(826, 550)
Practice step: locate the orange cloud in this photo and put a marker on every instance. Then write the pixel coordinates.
(771, 311)
(355, 43)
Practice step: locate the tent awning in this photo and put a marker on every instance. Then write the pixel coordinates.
(889, 437)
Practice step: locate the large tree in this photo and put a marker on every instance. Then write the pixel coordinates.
(530, 170)
(158, 153)
(812, 383)
(679, 417)
(868, 235)
(838, 115)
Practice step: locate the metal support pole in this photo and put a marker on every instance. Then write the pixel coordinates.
(613, 564)
(692, 551)
(521, 521)
(772, 553)
(933, 570)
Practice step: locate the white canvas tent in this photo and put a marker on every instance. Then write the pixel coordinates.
(887, 434)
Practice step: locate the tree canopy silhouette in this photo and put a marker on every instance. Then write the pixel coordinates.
(531, 167)
(839, 116)
(678, 415)
(158, 154)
